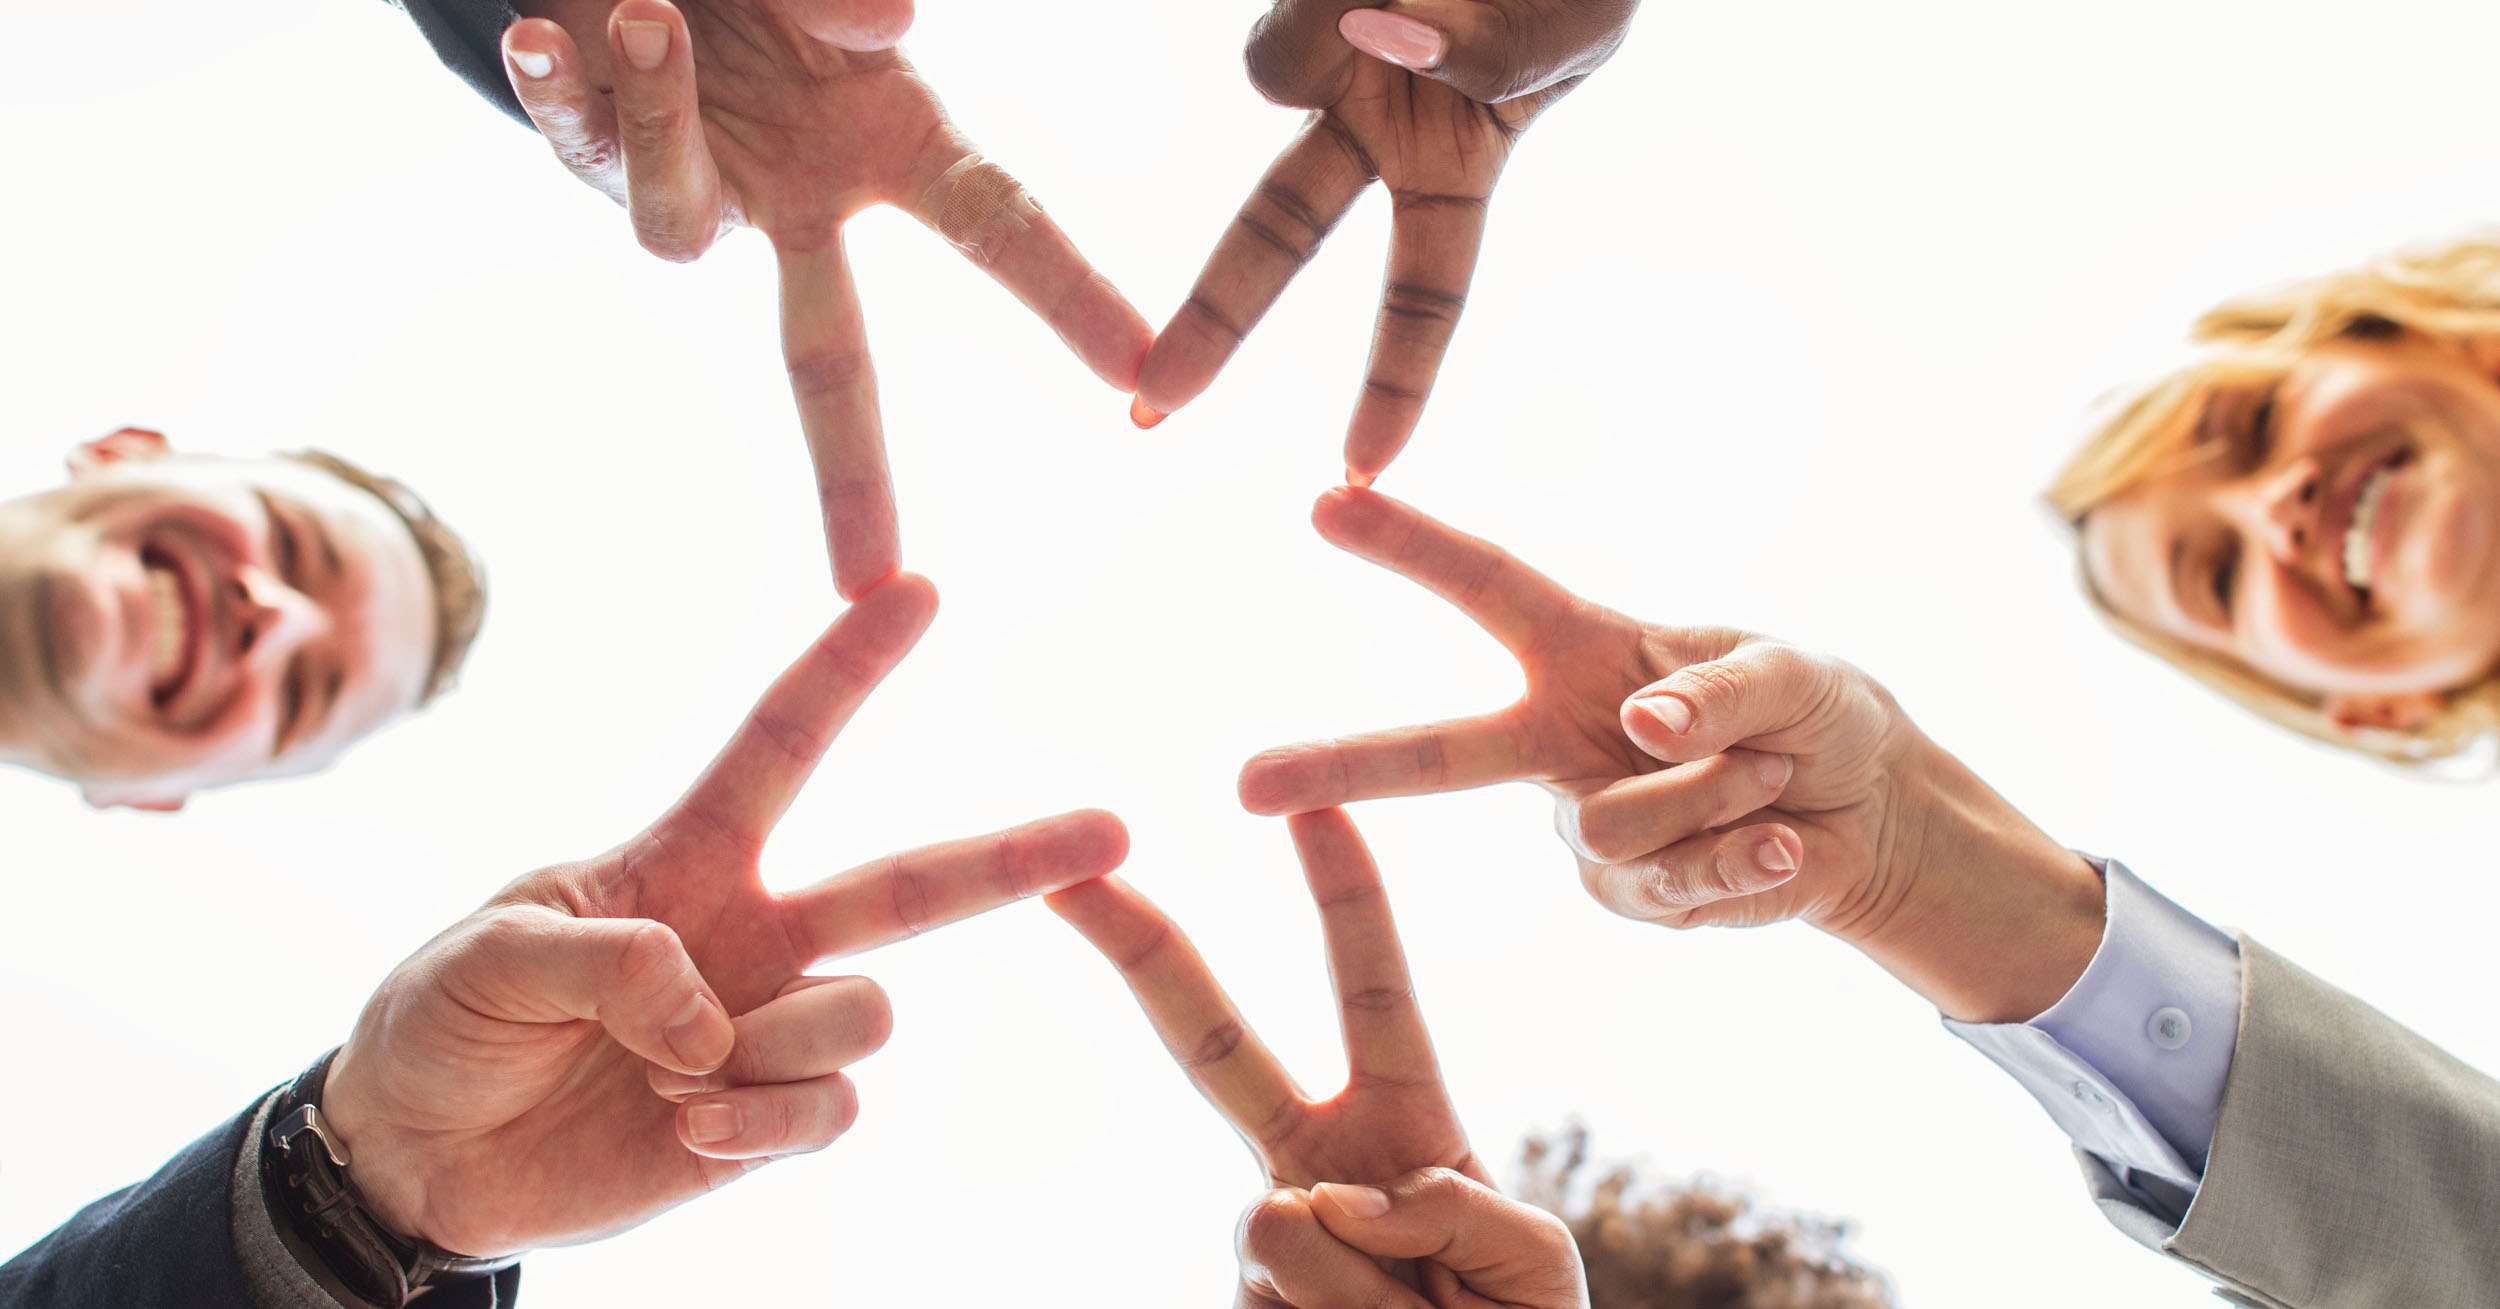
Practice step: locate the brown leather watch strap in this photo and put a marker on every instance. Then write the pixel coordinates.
(323, 1220)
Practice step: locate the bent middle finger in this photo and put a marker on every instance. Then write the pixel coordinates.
(817, 1026)
(1627, 819)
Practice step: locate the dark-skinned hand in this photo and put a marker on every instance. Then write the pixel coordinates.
(1426, 97)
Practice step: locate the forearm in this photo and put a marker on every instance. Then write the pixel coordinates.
(164, 1242)
(1992, 921)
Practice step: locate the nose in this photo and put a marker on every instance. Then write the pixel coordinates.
(272, 618)
(2285, 508)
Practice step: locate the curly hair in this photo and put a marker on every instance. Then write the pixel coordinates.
(2443, 297)
(1696, 1246)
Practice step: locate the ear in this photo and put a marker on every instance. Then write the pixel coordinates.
(125, 446)
(2396, 711)
(145, 804)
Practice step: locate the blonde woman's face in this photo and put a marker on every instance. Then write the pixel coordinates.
(2341, 534)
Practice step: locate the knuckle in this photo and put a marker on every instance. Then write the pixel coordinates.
(909, 889)
(819, 373)
(669, 242)
(1270, 1226)
(1438, 1183)
(648, 957)
(1727, 876)
(1216, 1046)
(650, 125)
(872, 1010)
(1599, 833)
(1275, 67)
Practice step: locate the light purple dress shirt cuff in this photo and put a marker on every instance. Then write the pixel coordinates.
(2131, 1062)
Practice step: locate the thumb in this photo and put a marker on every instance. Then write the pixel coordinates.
(1500, 1248)
(1484, 49)
(859, 25)
(1751, 693)
(632, 976)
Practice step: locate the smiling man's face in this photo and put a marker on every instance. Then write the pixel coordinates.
(169, 623)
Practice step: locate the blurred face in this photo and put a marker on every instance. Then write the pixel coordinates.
(2341, 536)
(175, 622)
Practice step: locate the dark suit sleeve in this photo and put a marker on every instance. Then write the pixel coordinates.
(173, 1242)
(165, 1242)
(467, 35)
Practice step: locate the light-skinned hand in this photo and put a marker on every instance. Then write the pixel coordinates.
(608, 1038)
(1499, 1252)
(1705, 776)
(791, 116)
(1393, 1116)
(1426, 97)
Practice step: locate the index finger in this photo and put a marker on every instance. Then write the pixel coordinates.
(751, 783)
(1433, 244)
(1512, 602)
(1385, 1038)
(906, 894)
(989, 216)
(1188, 1008)
(1294, 207)
(824, 342)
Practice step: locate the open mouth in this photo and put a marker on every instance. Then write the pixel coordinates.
(175, 654)
(2356, 553)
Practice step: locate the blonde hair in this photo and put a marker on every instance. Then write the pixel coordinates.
(2444, 297)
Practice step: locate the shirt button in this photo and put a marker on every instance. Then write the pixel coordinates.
(2169, 1028)
(2092, 1098)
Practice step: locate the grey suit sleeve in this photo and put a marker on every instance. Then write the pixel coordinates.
(467, 35)
(2354, 1162)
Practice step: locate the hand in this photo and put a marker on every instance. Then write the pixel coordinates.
(1425, 96)
(1705, 776)
(1392, 1117)
(504, 1088)
(735, 112)
(1320, 1247)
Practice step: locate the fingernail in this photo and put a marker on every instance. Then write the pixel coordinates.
(1359, 480)
(645, 42)
(699, 1034)
(711, 1123)
(1670, 711)
(670, 1084)
(1773, 856)
(1360, 1201)
(1143, 414)
(1392, 38)
(1774, 769)
(533, 64)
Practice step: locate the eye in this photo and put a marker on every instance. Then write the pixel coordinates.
(2226, 578)
(282, 543)
(290, 701)
(2258, 440)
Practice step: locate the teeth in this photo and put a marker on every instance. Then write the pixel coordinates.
(172, 628)
(2364, 517)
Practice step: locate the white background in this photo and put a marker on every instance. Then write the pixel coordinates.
(1784, 318)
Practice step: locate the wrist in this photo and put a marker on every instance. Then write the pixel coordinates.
(382, 1171)
(1991, 920)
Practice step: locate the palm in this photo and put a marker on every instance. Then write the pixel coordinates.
(537, 1126)
(1393, 1115)
(1568, 732)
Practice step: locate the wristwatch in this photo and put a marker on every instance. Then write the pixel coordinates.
(322, 1219)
